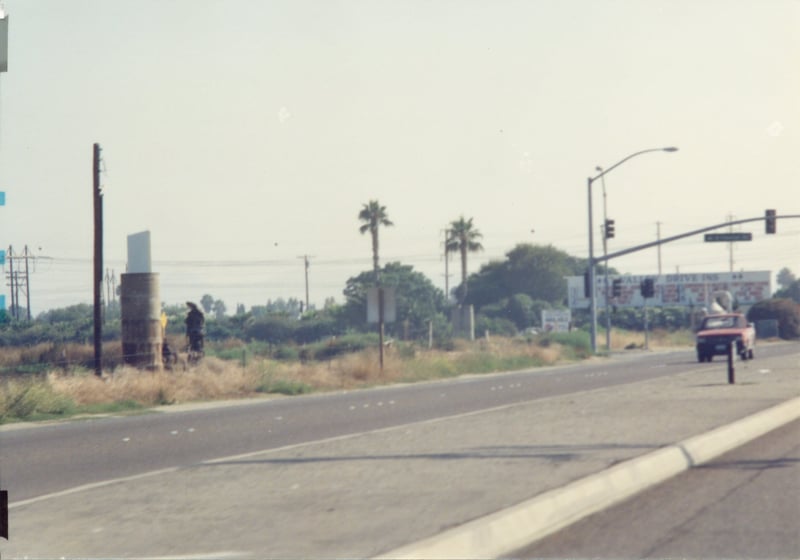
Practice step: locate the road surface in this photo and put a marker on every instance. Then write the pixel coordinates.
(745, 504)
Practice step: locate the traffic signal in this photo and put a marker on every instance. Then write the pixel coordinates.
(648, 288)
(609, 229)
(616, 287)
(587, 291)
(769, 218)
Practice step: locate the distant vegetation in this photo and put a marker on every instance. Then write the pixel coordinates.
(508, 296)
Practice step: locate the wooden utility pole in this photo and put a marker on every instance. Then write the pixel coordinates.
(98, 263)
(306, 261)
(14, 312)
(27, 284)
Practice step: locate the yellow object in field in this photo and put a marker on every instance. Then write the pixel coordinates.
(163, 322)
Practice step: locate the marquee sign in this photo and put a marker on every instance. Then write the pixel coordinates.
(674, 290)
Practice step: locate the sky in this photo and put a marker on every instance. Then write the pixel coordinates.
(244, 135)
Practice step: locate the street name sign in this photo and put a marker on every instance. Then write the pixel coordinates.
(738, 236)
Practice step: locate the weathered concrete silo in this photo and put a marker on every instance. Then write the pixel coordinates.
(140, 305)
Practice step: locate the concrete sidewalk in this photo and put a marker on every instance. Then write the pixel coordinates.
(374, 493)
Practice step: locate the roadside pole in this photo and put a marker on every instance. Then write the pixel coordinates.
(731, 353)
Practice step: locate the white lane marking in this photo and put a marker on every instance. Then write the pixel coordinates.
(201, 556)
(174, 432)
(190, 430)
(352, 407)
(91, 486)
(126, 439)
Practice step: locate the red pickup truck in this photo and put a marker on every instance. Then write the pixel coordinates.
(718, 331)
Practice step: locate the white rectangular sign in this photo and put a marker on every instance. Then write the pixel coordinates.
(556, 320)
(389, 305)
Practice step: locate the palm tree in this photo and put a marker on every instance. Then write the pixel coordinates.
(463, 237)
(373, 215)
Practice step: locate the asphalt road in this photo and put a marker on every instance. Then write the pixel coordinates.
(46, 459)
(745, 504)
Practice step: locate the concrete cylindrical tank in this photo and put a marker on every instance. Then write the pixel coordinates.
(142, 333)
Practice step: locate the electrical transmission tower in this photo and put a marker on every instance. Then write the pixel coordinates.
(19, 280)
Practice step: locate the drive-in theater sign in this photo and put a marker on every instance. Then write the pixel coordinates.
(674, 290)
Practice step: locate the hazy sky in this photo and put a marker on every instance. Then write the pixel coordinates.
(246, 133)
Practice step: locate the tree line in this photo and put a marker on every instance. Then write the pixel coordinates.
(508, 295)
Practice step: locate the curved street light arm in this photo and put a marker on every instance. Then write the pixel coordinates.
(668, 149)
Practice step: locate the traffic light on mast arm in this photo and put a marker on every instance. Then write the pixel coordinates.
(587, 286)
(769, 218)
(648, 288)
(616, 287)
(609, 229)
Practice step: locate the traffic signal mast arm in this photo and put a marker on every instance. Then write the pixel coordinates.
(682, 235)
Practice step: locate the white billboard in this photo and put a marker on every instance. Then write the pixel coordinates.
(674, 290)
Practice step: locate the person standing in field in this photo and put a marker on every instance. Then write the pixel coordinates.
(194, 328)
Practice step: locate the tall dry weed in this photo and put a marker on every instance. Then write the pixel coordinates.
(211, 379)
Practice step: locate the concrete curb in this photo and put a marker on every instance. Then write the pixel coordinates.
(505, 531)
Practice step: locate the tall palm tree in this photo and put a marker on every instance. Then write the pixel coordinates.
(373, 215)
(463, 237)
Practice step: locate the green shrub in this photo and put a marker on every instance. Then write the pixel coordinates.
(26, 399)
(578, 343)
(495, 326)
(785, 311)
(286, 353)
(345, 344)
(282, 386)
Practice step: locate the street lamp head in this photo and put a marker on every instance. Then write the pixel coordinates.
(670, 149)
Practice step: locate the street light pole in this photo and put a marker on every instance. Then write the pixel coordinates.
(592, 300)
(605, 264)
(592, 294)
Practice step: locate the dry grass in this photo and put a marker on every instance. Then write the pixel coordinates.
(211, 379)
(214, 379)
(658, 339)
